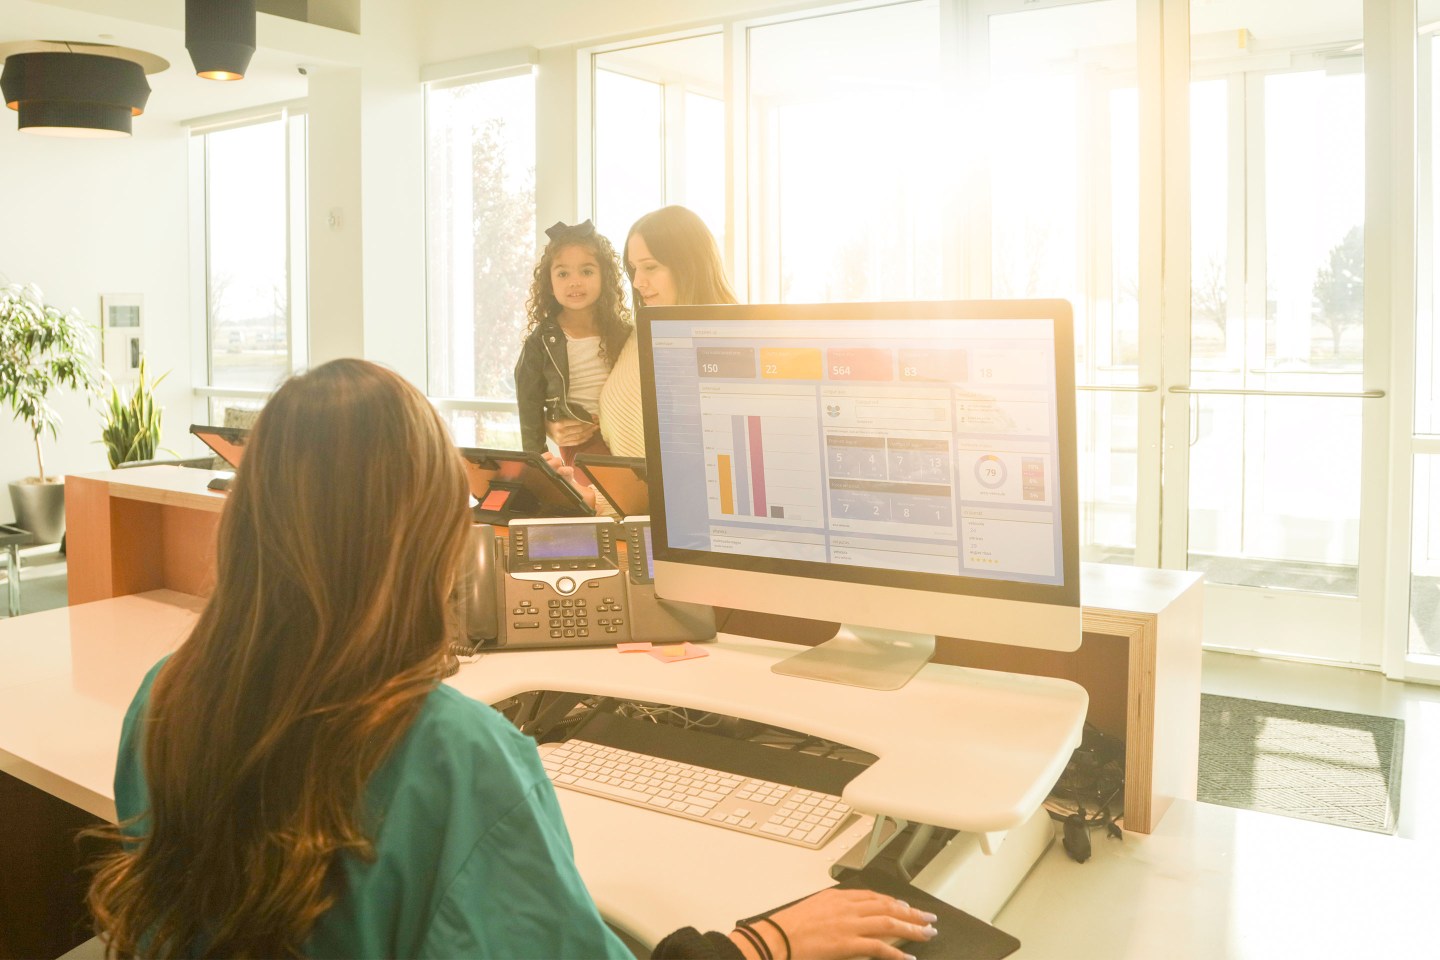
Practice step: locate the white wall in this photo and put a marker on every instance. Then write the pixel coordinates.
(367, 262)
(392, 170)
(336, 301)
(84, 218)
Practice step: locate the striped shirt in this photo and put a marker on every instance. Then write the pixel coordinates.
(622, 421)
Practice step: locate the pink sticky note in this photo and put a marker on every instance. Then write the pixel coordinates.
(672, 652)
(642, 646)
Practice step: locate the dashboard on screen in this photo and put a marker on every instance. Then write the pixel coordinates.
(885, 448)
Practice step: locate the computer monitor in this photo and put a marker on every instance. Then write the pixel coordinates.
(908, 469)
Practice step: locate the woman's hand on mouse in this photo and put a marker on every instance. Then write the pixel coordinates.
(839, 924)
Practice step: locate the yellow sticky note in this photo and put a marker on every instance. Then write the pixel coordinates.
(642, 646)
(675, 652)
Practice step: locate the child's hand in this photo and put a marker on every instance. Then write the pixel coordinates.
(585, 490)
(570, 433)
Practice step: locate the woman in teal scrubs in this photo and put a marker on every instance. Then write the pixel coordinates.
(296, 780)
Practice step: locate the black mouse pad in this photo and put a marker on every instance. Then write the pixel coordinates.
(961, 936)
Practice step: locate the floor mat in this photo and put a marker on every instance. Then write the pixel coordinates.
(1325, 765)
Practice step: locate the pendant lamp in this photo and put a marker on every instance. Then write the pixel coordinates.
(220, 35)
(59, 91)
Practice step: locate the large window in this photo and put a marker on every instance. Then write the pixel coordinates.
(1061, 150)
(480, 242)
(850, 145)
(251, 187)
(659, 132)
(863, 169)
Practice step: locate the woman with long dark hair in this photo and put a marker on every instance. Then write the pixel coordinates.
(296, 780)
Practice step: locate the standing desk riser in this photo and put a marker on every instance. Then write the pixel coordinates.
(149, 528)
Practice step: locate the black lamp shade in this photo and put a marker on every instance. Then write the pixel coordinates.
(220, 35)
(74, 94)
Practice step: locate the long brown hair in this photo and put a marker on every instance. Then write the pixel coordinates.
(343, 533)
(612, 316)
(679, 239)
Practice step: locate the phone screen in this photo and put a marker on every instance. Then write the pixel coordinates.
(559, 541)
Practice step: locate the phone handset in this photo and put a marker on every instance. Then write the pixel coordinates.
(479, 589)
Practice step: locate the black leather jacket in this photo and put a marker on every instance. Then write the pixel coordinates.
(542, 385)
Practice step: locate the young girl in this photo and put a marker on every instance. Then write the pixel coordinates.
(297, 780)
(671, 259)
(578, 323)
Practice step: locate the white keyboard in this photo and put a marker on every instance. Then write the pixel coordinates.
(757, 807)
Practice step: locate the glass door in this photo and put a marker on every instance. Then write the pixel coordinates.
(1276, 378)
(1109, 179)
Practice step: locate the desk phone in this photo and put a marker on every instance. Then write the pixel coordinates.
(562, 583)
(652, 618)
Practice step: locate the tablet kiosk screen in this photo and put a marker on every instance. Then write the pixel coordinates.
(548, 492)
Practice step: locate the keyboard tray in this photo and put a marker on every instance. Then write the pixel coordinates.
(821, 774)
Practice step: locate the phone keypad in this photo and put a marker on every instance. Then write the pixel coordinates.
(569, 618)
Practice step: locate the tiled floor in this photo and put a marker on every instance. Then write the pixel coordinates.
(42, 580)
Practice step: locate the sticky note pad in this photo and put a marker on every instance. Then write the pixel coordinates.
(495, 500)
(642, 646)
(674, 652)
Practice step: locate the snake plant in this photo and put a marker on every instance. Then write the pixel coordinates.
(132, 421)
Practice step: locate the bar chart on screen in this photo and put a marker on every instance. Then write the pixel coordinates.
(761, 464)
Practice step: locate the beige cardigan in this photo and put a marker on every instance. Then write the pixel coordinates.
(622, 421)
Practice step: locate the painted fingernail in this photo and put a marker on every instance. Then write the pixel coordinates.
(929, 931)
(908, 956)
(928, 917)
(903, 904)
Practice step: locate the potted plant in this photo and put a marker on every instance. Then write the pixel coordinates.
(42, 349)
(132, 423)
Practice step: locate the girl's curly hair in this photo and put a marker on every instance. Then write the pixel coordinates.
(612, 316)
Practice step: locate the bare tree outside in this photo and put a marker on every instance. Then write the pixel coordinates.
(1209, 299)
(504, 223)
(1340, 289)
(480, 224)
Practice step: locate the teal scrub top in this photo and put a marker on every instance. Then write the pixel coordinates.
(472, 856)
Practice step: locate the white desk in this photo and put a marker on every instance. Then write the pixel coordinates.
(154, 527)
(968, 749)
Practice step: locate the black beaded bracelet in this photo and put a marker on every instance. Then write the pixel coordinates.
(758, 942)
(780, 930)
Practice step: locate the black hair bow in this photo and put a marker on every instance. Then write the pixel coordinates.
(563, 229)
